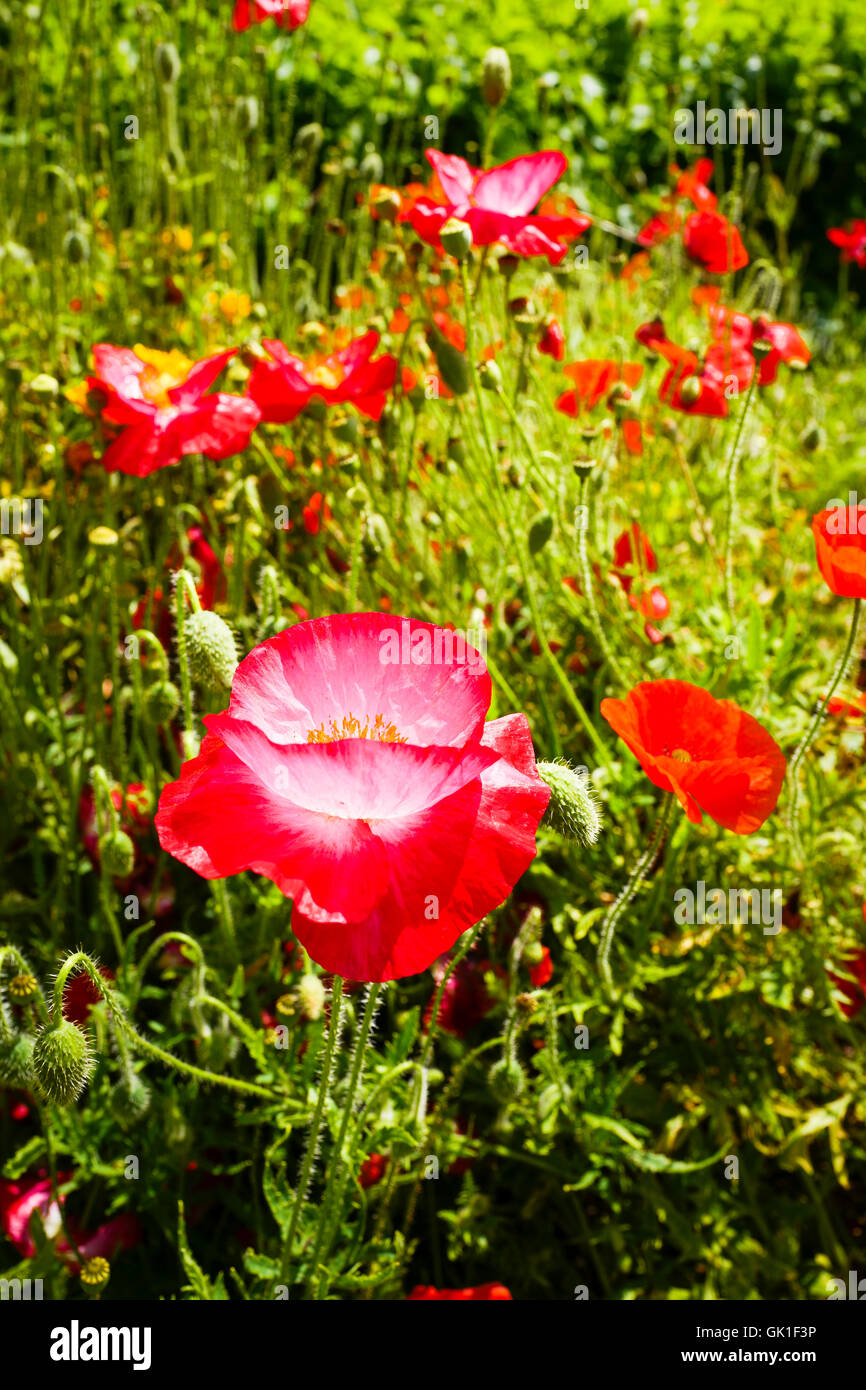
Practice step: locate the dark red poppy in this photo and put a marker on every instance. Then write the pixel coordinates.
(552, 340)
(542, 972)
(372, 1170)
(854, 989)
(710, 753)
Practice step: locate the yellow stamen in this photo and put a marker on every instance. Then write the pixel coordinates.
(350, 727)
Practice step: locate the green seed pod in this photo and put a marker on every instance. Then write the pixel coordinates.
(540, 532)
(62, 1062)
(490, 376)
(162, 702)
(506, 1079)
(16, 1062)
(456, 238)
(376, 537)
(210, 646)
(76, 248)
(572, 810)
(166, 62)
(495, 76)
(129, 1101)
(309, 138)
(690, 390)
(117, 854)
(452, 363)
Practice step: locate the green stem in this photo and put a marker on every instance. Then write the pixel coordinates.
(340, 1165)
(582, 528)
(731, 479)
(809, 736)
(306, 1173)
(616, 910)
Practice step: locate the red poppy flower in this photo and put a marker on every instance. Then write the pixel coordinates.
(711, 754)
(632, 549)
(372, 1170)
(852, 241)
(355, 770)
(854, 989)
(136, 815)
(692, 184)
(283, 386)
(542, 973)
(714, 243)
(483, 1293)
(660, 226)
(496, 204)
(694, 386)
(740, 332)
(465, 1000)
(20, 1200)
(552, 340)
(160, 398)
(81, 994)
(840, 546)
(593, 379)
(288, 14)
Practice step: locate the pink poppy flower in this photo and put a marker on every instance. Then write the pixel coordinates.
(354, 768)
(283, 386)
(160, 399)
(496, 204)
(289, 14)
(20, 1200)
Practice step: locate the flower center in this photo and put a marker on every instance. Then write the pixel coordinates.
(330, 375)
(162, 372)
(350, 727)
(680, 755)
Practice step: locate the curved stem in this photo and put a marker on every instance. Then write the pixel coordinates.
(809, 736)
(634, 881)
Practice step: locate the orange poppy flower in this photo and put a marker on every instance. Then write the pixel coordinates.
(710, 753)
(840, 544)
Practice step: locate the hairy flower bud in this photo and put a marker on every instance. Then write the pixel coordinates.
(211, 649)
(62, 1062)
(76, 248)
(572, 810)
(117, 854)
(162, 702)
(16, 1062)
(309, 138)
(490, 376)
(495, 76)
(129, 1101)
(506, 1079)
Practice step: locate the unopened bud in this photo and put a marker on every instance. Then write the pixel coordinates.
(16, 1062)
(572, 809)
(456, 238)
(166, 62)
(117, 854)
(309, 138)
(495, 76)
(76, 248)
(62, 1062)
(162, 702)
(210, 646)
(506, 1079)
